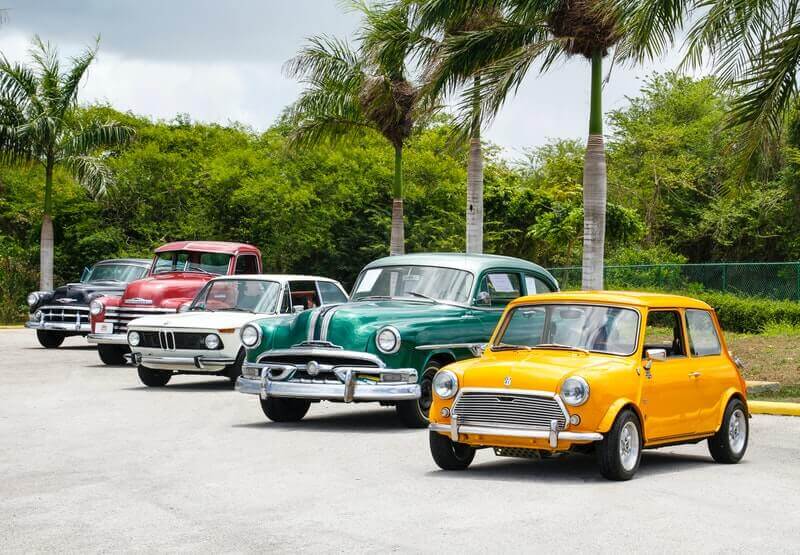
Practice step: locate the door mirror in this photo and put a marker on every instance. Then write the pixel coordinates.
(655, 355)
(185, 306)
(483, 299)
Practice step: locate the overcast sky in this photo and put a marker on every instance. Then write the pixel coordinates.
(221, 61)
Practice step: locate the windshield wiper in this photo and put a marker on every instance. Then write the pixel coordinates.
(375, 298)
(238, 309)
(423, 296)
(509, 347)
(199, 269)
(560, 346)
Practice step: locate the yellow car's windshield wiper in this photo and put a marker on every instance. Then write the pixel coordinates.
(560, 346)
(509, 347)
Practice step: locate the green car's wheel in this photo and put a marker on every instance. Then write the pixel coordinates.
(284, 410)
(448, 454)
(414, 414)
(49, 339)
(154, 378)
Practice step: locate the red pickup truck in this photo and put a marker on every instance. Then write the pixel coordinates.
(178, 271)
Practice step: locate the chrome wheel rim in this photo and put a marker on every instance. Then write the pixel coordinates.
(737, 431)
(629, 446)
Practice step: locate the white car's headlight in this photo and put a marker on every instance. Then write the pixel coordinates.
(212, 341)
(575, 391)
(445, 384)
(96, 307)
(134, 338)
(388, 340)
(250, 335)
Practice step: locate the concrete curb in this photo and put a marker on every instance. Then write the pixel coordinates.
(771, 407)
(12, 327)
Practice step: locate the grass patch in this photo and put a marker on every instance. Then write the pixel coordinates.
(790, 394)
(772, 357)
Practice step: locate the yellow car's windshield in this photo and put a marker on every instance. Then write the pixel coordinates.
(580, 327)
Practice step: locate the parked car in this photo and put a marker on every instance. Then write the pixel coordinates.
(64, 312)
(178, 271)
(610, 372)
(407, 317)
(205, 338)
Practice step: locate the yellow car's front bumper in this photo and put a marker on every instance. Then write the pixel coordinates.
(553, 435)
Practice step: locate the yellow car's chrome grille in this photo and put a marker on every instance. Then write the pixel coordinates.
(512, 410)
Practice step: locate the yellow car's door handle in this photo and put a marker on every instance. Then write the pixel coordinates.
(695, 374)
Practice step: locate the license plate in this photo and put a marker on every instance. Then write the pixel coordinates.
(104, 327)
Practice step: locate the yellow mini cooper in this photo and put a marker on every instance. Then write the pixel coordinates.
(609, 372)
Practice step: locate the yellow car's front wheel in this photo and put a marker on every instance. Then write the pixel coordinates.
(621, 449)
(450, 455)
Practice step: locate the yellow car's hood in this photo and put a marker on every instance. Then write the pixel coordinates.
(541, 370)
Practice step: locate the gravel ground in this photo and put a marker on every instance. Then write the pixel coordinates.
(92, 461)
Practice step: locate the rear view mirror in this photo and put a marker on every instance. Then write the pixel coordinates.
(483, 299)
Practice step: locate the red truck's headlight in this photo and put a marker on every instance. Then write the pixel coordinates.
(96, 307)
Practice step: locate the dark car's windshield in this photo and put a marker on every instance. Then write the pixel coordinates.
(604, 329)
(415, 282)
(240, 295)
(186, 261)
(114, 272)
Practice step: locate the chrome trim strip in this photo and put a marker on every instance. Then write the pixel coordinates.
(583, 437)
(63, 307)
(248, 386)
(449, 346)
(194, 362)
(108, 338)
(138, 309)
(312, 324)
(326, 322)
(335, 392)
(323, 352)
(59, 326)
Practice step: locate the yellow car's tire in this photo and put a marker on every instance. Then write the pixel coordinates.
(154, 378)
(284, 410)
(448, 454)
(620, 451)
(729, 444)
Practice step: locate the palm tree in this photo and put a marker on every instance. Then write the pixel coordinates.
(444, 19)
(502, 54)
(365, 88)
(751, 45)
(38, 123)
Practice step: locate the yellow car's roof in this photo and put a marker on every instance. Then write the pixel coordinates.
(635, 298)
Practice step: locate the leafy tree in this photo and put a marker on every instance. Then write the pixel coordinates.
(38, 124)
(365, 88)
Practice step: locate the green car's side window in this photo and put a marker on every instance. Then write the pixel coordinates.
(534, 285)
(497, 289)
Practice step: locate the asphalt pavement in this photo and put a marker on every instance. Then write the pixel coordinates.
(91, 460)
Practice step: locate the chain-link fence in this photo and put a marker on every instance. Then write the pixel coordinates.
(774, 280)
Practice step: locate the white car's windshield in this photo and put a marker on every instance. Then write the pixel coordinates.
(185, 261)
(239, 295)
(114, 272)
(603, 329)
(414, 282)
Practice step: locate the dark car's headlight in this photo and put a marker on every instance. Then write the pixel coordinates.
(388, 340)
(250, 335)
(35, 297)
(575, 391)
(445, 384)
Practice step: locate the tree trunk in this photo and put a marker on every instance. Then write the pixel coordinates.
(594, 187)
(46, 239)
(475, 184)
(398, 238)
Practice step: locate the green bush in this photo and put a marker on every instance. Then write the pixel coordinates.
(749, 314)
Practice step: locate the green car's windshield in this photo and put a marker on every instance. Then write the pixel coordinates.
(601, 329)
(239, 295)
(187, 261)
(114, 272)
(414, 282)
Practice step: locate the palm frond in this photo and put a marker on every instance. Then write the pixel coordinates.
(647, 27)
(91, 172)
(70, 81)
(88, 138)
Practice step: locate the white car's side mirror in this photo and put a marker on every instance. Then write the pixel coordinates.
(185, 307)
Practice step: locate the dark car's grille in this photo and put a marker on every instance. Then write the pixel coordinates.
(169, 341)
(66, 315)
(121, 316)
(513, 410)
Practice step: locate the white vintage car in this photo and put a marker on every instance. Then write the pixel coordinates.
(203, 337)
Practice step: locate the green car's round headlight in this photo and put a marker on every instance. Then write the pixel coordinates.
(250, 335)
(134, 338)
(445, 384)
(575, 391)
(388, 340)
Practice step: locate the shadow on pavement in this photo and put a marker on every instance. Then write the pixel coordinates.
(378, 421)
(64, 348)
(570, 468)
(222, 384)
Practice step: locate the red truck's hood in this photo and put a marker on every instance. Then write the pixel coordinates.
(163, 288)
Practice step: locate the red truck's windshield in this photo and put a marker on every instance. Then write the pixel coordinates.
(186, 261)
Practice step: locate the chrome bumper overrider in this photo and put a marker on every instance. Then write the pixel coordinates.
(58, 326)
(199, 362)
(108, 338)
(553, 435)
(346, 387)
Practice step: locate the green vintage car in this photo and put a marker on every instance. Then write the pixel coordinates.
(407, 317)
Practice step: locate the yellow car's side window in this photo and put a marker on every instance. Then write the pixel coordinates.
(665, 331)
(703, 338)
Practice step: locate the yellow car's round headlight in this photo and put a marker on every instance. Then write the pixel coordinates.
(575, 391)
(445, 384)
